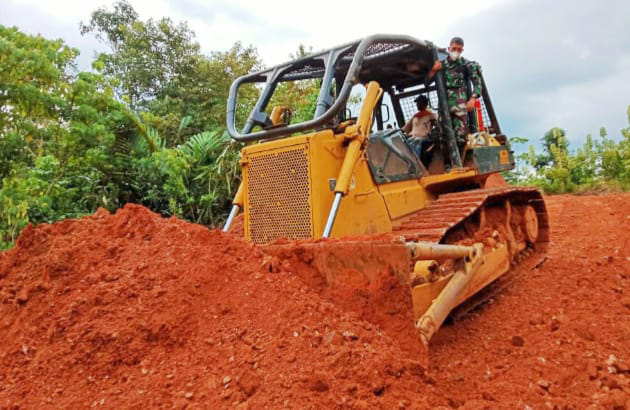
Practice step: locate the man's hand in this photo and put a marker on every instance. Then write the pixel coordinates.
(470, 104)
(437, 66)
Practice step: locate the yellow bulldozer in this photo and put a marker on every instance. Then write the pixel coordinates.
(356, 181)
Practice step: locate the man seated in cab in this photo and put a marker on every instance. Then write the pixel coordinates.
(418, 128)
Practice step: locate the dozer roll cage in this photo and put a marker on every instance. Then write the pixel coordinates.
(400, 65)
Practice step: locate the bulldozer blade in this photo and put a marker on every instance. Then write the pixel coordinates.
(397, 278)
(434, 301)
(337, 264)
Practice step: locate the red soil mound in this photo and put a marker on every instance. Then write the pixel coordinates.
(132, 310)
(494, 181)
(559, 336)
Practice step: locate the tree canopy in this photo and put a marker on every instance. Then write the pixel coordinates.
(158, 70)
(146, 125)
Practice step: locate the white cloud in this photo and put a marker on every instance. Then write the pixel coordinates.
(567, 66)
(276, 28)
(582, 108)
(281, 25)
(562, 63)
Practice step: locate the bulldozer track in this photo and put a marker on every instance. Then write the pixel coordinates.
(434, 222)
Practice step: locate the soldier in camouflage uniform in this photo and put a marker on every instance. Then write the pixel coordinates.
(456, 71)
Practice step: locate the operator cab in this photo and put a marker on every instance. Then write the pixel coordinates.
(325, 80)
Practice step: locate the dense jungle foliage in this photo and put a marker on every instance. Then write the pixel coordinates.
(146, 125)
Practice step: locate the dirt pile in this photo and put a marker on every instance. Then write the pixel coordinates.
(132, 309)
(494, 181)
(559, 336)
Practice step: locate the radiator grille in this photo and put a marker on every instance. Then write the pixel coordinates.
(278, 195)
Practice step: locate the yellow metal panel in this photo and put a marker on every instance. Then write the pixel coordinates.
(504, 158)
(362, 210)
(244, 183)
(288, 190)
(327, 154)
(278, 200)
(275, 144)
(455, 174)
(404, 197)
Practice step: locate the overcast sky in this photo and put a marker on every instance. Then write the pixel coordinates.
(546, 63)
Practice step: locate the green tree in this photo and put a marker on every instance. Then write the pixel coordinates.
(35, 78)
(585, 163)
(624, 148)
(519, 174)
(57, 135)
(599, 164)
(148, 59)
(555, 137)
(161, 74)
(204, 98)
(195, 180)
(611, 158)
(301, 52)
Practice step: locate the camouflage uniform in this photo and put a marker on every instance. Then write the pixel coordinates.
(455, 73)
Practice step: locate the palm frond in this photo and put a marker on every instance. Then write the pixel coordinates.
(200, 147)
(186, 120)
(144, 131)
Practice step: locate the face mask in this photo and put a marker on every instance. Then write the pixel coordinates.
(455, 54)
